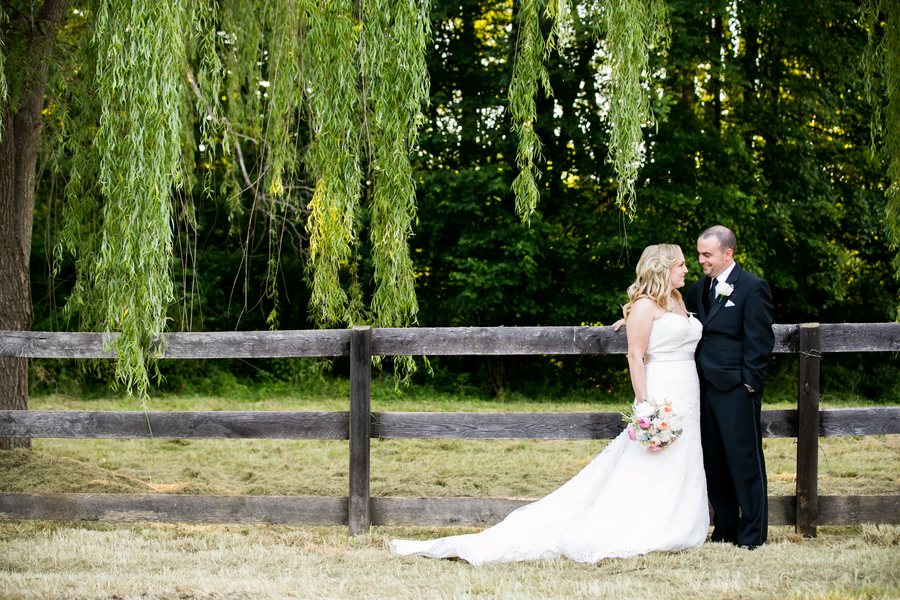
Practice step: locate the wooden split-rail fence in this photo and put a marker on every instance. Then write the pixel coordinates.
(805, 509)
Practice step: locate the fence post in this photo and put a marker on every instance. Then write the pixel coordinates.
(810, 357)
(360, 410)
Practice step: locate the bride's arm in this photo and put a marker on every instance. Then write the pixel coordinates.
(640, 321)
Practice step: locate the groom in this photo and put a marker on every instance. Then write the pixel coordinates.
(735, 308)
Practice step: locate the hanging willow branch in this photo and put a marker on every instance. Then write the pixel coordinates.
(365, 79)
(285, 95)
(330, 78)
(881, 63)
(121, 231)
(396, 86)
(141, 56)
(528, 70)
(632, 28)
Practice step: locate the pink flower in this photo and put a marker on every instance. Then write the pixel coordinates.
(654, 448)
(630, 429)
(667, 410)
(644, 422)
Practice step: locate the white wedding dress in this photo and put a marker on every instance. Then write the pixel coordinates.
(627, 500)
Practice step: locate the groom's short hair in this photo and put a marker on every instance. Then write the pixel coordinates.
(723, 235)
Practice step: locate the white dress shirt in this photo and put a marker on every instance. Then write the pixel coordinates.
(723, 276)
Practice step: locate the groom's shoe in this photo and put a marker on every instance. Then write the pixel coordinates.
(748, 546)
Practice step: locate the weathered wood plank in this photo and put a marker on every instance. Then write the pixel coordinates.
(472, 512)
(175, 425)
(809, 357)
(175, 509)
(436, 341)
(876, 420)
(221, 344)
(835, 422)
(859, 510)
(439, 341)
(785, 338)
(497, 426)
(52, 344)
(477, 512)
(782, 510)
(484, 512)
(336, 425)
(779, 423)
(604, 426)
(360, 427)
(860, 337)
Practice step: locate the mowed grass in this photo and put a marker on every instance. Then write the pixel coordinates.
(514, 468)
(48, 560)
(104, 560)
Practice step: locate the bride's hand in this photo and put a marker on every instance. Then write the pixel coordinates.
(618, 324)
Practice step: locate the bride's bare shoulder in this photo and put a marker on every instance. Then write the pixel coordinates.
(646, 308)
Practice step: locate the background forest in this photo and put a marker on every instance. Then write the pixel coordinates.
(762, 125)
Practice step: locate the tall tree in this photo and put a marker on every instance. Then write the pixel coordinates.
(28, 36)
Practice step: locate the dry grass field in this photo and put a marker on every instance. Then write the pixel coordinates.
(102, 560)
(49, 560)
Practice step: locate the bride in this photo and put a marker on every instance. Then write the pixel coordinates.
(627, 500)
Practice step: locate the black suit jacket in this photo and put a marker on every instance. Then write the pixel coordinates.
(737, 333)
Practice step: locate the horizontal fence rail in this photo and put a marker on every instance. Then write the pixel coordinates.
(385, 425)
(806, 509)
(281, 510)
(425, 341)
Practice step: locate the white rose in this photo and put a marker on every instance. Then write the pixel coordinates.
(665, 436)
(724, 289)
(644, 409)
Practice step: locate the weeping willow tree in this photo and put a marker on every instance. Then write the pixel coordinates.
(309, 111)
(881, 63)
(631, 29)
(250, 76)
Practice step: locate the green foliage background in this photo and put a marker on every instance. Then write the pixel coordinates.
(762, 124)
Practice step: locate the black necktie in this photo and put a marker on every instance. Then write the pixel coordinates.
(709, 296)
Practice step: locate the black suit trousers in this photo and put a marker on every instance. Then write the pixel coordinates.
(735, 467)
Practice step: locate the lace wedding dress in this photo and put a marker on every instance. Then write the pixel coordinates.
(627, 500)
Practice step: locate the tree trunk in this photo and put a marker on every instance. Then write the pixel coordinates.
(22, 126)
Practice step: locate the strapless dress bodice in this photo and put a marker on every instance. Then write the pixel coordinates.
(673, 337)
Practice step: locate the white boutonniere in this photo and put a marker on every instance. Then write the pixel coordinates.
(724, 290)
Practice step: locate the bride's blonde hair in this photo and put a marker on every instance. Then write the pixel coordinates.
(653, 277)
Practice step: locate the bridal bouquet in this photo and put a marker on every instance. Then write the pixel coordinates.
(654, 425)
